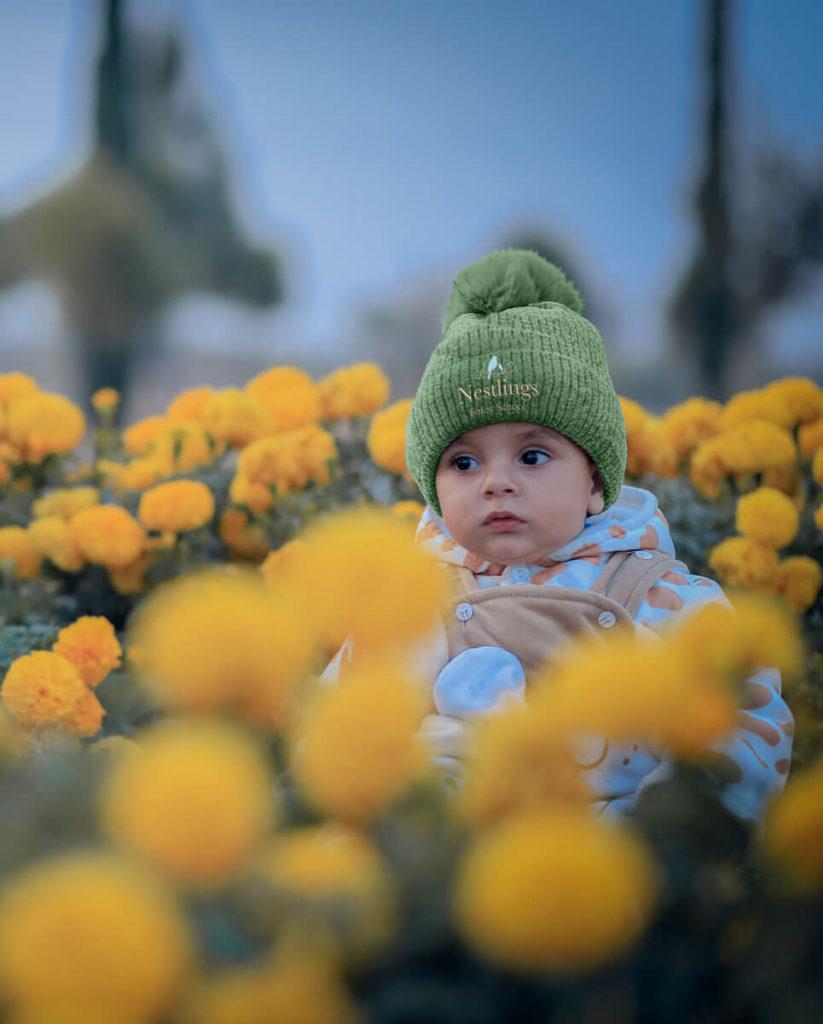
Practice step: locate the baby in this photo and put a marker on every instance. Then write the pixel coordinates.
(517, 442)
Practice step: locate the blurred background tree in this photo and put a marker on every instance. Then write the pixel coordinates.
(759, 227)
(148, 217)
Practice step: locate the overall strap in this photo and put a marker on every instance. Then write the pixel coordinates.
(630, 580)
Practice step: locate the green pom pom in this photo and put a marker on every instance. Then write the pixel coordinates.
(507, 279)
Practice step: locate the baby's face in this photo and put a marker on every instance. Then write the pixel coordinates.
(544, 481)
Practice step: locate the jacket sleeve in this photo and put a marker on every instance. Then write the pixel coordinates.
(753, 761)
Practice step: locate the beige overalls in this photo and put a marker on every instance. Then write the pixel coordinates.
(531, 622)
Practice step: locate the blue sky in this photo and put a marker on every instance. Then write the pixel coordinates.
(382, 143)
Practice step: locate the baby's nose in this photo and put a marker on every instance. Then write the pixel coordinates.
(498, 480)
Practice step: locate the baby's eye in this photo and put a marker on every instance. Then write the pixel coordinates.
(534, 457)
(462, 462)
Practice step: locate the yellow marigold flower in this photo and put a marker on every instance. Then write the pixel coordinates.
(177, 506)
(768, 516)
(234, 418)
(408, 511)
(810, 438)
(357, 390)
(334, 880)
(358, 748)
(689, 423)
(16, 385)
(51, 536)
(42, 689)
(518, 893)
(649, 447)
(756, 405)
(189, 404)
(743, 562)
(818, 517)
(44, 424)
(817, 466)
(798, 581)
(91, 935)
(16, 546)
(368, 552)
(5, 473)
(107, 535)
(293, 989)
(91, 645)
(283, 566)
(751, 447)
(733, 642)
(802, 396)
(183, 446)
(130, 579)
(136, 475)
(105, 400)
(289, 396)
(139, 437)
(196, 800)
(287, 462)
(218, 640)
(518, 760)
(257, 498)
(784, 479)
(65, 501)
(87, 718)
(243, 538)
(633, 688)
(387, 437)
(794, 831)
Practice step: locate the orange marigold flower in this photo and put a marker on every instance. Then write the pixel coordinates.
(177, 506)
(387, 437)
(798, 580)
(107, 535)
(649, 447)
(190, 404)
(768, 516)
(183, 446)
(756, 405)
(356, 390)
(130, 579)
(818, 517)
(16, 385)
(802, 396)
(287, 462)
(136, 475)
(243, 538)
(44, 424)
(51, 536)
(42, 689)
(233, 417)
(289, 396)
(810, 438)
(691, 422)
(91, 645)
(87, 718)
(17, 547)
(65, 501)
(139, 437)
(743, 562)
(105, 400)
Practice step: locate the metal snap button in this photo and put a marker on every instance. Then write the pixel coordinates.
(643, 554)
(606, 620)
(464, 611)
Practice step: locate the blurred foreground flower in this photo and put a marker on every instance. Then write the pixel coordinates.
(218, 640)
(90, 936)
(357, 748)
(554, 891)
(794, 832)
(195, 799)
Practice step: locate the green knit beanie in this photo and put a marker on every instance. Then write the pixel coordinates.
(515, 348)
